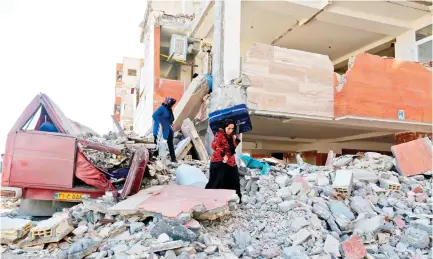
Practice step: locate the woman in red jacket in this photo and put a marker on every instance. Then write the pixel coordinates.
(223, 170)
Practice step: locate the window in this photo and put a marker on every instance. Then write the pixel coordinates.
(424, 44)
(119, 75)
(132, 72)
(424, 33)
(40, 121)
(117, 109)
(33, 121)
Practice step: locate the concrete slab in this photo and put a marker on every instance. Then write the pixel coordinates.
(189, 105)
(183, 148)
(13, 229)
(188, 129)
(172, 200)
(414, 157)
(130, 205)
(49, 231)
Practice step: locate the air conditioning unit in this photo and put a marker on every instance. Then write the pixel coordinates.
(178, 47)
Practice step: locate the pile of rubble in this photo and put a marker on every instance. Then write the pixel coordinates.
(356, 206)
(305, 211)
(107, 161)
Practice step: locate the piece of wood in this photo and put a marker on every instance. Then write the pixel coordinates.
(188, 129)
(189, 106)
(183, 148)
(119, 128)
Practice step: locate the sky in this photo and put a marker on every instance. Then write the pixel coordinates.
(67, 49)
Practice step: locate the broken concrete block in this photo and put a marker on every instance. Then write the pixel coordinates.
(353, 248)
(343, 182)
(286, 206)
(12, 229)
(364, 175)
(135, 227)
(282, 180)
(299, 223)
(173, 229)
(338, 207)
(190, 176)
(322, 179)
(361, 205)
(49, 231)
(300, 236)
(370, 225)
(80, 249)
(416, 237)
(399, 222)
(414, 157)
(80, 230)
(331, 246)
(390, 184)
(284, 193)
(172, 200)
(383, 238)
(271, 252)
(294, 252)
(163, 238)
(242, 239)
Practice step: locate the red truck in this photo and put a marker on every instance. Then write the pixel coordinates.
(47, 169)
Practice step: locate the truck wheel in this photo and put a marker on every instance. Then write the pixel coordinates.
(36, 208)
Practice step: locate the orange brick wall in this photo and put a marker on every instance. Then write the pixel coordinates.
(379, 88)
(409, 136)
(167, 88)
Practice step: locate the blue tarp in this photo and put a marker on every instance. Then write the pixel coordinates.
(256, 164)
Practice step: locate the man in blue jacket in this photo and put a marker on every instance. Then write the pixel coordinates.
(164, 116)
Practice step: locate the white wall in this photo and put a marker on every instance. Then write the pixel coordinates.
(405, 48)
(177, 6)
(143, 113)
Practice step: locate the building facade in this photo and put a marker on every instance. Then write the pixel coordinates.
(401, 31)
(126, 91)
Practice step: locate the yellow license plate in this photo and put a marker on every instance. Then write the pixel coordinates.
(68, 196)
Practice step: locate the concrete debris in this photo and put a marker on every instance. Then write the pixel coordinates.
(12, 229)
(295, 211)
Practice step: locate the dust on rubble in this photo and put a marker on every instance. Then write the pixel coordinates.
(291, 211)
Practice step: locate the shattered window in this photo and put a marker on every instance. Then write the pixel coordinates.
(33, 121)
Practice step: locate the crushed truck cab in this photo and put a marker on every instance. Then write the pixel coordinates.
(51, 166)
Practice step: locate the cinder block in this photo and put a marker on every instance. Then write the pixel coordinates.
(13, 229)
(343, 182)
(390, 184)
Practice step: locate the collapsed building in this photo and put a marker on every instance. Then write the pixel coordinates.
(312, 88)
(366, 205)
(341, 203)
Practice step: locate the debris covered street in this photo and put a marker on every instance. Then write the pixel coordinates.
(289, 211)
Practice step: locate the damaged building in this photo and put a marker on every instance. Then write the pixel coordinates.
(343, 76)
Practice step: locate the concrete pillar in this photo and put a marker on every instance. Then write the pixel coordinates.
(232, 39)
(218, 46)
(405, 46)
